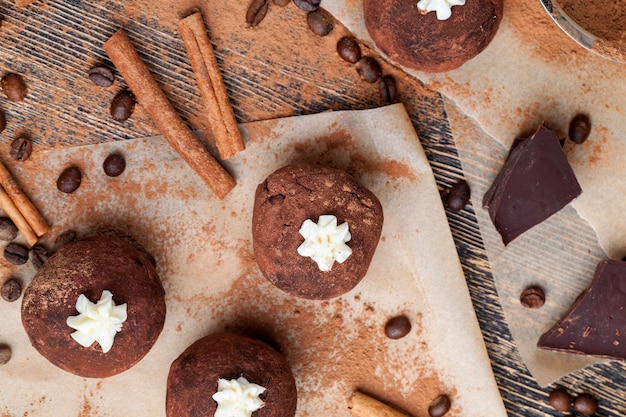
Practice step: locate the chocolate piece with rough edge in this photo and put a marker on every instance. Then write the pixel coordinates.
(88, 267)
(535, 182)
(596, 323)
(193, 376)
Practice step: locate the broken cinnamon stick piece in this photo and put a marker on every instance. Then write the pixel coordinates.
(22, 203)
(227, 136)
(148, 93)
(23, 3)
(362, 405)
(20, 222)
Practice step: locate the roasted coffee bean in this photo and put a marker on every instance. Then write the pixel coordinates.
(532, 297)
(64, 238)
(122, 105)
(307, 5)
(439, 406)
(8, 229)
(101, 76)
(349, 49)
(320, 22)
(11, 290)
(114, 165)
(69, 180)
(257, 11)
(16, 254)
(579, 128)
(38, 255)
(560, 399)
(21, 148)
(281, 3)
(397, 327)
(14, 87)
(5, 354)
(586, 404)
(387, 88)
(369, 69)
(459, 195)
(3, 121)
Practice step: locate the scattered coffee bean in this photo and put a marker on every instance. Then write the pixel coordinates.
(349, 49)
(560, 399)
(459, 195)
(397, 327)
(8, 229)
(439, 406)
(21, 148)
(281, 3)
(586, 404)
(369, 69)
(387, 88)
(532, 297)
(257, 11)
(5, 354)
(14, 87)
(11, 290)
(114, 165)
(16, 254)
(122, 105)
(38, 255)
(579, 128)
(3, 121)
(69, 180)
(65, 238)
(101, 76)
(307, 5)
(320, 22)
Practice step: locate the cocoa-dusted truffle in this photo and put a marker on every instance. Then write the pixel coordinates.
(93, 268)
(420, 41)
(298, 193)
(194, 376)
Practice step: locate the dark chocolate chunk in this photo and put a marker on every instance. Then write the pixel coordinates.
(596, 323)
(535, 182)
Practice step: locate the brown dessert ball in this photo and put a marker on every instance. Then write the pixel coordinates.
(424, 43)
(88, 267)
(296, 193)
(194, 376)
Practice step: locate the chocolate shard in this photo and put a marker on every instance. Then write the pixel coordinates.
(535, 182)
(596, 323)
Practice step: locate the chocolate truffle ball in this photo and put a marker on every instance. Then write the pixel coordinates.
(296, 193)
(420, 41)
(90, 267)
(194, 376)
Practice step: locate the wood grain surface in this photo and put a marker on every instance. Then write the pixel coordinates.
(276, 69)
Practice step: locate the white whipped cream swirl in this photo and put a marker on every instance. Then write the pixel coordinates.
(325, 242)
(237, 397)
(442, 7)
(97, 322)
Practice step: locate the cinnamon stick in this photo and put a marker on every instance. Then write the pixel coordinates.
(14, 214)
(23, 3)
(23, 204)
(148, 93)
(227, 136)
(362, 405)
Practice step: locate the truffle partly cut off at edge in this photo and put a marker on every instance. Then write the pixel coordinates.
(535, 182)
(424, 43)
(88, 267)
(596, 323)
(194, 376)
(296, 193)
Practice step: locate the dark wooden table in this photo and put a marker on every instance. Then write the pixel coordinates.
(276, 69)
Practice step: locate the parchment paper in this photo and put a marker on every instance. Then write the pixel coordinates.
(204, 256)
(533, 73)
